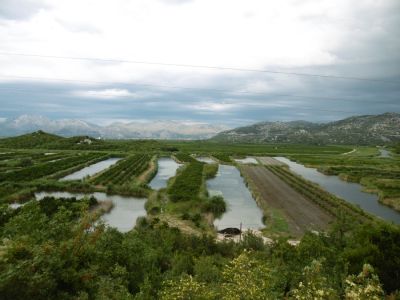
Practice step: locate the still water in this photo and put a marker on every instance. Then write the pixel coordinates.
(166, 169)
(351, 192)
(241, 207)
(207, 160)
(123, 215)
(247, 160)
(91, 170)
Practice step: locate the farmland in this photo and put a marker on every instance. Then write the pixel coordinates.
(127, 169)
(300, 213)
(177, 237)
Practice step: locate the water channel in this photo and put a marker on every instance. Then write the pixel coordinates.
(247, 160)
(351, 192)
(166, 169)
(91, 170)
(241, 207)
(123, 215)
(205, 159)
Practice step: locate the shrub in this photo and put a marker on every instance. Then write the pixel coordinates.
(215, 205)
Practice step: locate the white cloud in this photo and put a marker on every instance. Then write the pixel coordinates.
(278, 34)
(213, 107)
(113, 94)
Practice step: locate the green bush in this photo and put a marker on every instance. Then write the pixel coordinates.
(215, 205)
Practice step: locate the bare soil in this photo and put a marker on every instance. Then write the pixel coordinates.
(300, 213)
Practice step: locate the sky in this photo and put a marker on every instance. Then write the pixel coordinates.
(208, 61)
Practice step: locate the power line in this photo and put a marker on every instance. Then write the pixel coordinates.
(200, 67)
(172, 87)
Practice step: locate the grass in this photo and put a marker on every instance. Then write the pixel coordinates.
(275, 223)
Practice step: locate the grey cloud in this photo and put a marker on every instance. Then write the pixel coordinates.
(79, 27)
(19, 9)
(176, 1)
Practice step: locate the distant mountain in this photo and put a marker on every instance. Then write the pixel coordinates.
(133, 130)
(362, 130)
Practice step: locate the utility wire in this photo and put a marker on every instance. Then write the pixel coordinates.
(200, 67)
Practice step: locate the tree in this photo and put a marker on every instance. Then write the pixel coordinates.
(364, 286)
(314, 285)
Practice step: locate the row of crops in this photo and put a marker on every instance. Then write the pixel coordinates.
(184, 157)
(15, 161)
(124, 171)
(223, 157)
(48, 168)
(188, 183)
(356, 173)
(325, 200)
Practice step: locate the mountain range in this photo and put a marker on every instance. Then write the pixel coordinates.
(361, 130)
(133, 130)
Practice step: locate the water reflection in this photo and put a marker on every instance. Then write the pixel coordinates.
(166, 169)
(351, 192)
(242, 208)
(207, 160)
(247, 160)
(91, 170)
(123, 215)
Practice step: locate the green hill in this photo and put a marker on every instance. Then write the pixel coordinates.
(38, 139)
(361, 130)
(44, 140)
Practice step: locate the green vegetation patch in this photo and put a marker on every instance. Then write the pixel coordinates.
(184, 157)
(222, 157)
(210, 170)
(48, 168)
(125, 170)
(188, 183)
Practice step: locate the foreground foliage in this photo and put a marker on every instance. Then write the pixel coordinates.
(60, 252)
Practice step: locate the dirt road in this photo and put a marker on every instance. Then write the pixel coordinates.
(301, 214)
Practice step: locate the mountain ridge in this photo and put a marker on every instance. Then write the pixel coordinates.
(363, 130)
(133, 130)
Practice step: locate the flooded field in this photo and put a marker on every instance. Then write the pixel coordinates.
(242, 208)
(247, 160)
(207, 160)
(91, 170)
(123, 215)
(166, 169)
(351, 192)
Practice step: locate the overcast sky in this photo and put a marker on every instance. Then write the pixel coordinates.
(337, 38)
